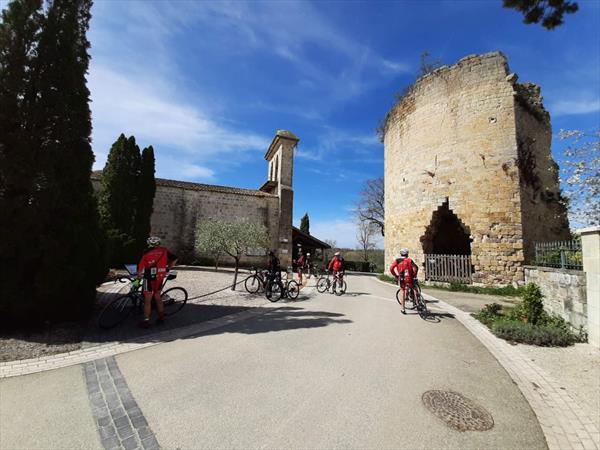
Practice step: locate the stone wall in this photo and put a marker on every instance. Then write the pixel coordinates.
(178, 210)
(564, 292)
(451, 143)
(543, 215)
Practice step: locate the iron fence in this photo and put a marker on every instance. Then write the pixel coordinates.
(448, 268)
(560, 254)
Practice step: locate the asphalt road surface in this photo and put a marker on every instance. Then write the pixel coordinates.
(325, 372)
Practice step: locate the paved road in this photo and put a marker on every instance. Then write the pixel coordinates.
(328, 372)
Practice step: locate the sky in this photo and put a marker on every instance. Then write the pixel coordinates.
(208, 83)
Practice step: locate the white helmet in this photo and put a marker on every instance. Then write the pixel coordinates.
(153, 241)
(404, 252)
(336, 254)
(308, 254)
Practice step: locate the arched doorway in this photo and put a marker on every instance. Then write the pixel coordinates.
(447, 246)
(446, 234)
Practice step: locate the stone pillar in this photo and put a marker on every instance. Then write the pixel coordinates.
(590, 247)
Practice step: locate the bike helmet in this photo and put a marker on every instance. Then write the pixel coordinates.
(336, 254)
(153, 241)
(404, 252)
(308, 254)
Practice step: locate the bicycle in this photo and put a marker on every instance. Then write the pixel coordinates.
(275, 289)
(323, 283)
(256, 280)
(413, 295)
(339, 284)
(119, 309)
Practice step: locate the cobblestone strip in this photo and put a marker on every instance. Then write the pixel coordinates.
(565, 423)
(119, 419)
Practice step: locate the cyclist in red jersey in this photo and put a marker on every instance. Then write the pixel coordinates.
(336, 265)
(153, 268)
(405, 271)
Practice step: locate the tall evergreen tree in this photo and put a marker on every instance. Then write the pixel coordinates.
(145, 198)
(305, 224)
(119, 198)
(20, 26)
(71, 255)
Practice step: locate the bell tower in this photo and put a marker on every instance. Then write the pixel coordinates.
(280, 157)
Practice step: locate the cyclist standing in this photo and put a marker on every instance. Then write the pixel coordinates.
(300, 264)
(153, 268)
(337, 266)
(273, 266)
(405, 270)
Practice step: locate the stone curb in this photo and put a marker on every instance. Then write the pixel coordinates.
(92, 353)
(565, 423)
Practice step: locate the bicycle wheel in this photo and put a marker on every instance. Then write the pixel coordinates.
(173, 300)
(322, 284)
(274, 291)
(399, 296)
(293, 290)
(116, 311)
(340, 287)
(252, 284)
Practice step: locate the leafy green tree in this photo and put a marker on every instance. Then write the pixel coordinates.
(118, 200)
(19, 168)
(210, 239)
(231, 238)
(145, 198)
(70, 245)
(305, 224)
(549, 12)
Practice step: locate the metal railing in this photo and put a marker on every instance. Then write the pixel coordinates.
(448, 268)
(560, 254)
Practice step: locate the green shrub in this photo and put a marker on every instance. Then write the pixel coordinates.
(533, 303)
(489, 314)
(527, 333)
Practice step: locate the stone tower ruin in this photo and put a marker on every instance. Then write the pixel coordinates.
(468, 170)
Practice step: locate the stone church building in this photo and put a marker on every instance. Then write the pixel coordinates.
(179, 205)
(468, 170)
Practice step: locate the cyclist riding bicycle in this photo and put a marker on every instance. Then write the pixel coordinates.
(153, 268)
(405, 270)
(337, 266)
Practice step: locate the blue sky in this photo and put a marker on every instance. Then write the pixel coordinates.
(207, 84)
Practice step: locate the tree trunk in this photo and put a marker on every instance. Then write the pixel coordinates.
(235, 275)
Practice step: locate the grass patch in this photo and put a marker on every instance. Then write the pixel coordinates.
(387, 278)
(506, 291)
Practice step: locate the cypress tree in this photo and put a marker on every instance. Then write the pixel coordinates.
(145, 199)
(71, 255)
(19, 169)
(305, 224)
(119, 199)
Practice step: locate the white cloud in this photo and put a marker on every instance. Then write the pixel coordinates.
(568, 107)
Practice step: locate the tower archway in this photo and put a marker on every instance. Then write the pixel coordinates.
(446, 234)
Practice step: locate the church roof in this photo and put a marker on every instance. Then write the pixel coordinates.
(96, 174)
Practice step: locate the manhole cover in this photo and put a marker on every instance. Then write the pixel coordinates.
(458, 411)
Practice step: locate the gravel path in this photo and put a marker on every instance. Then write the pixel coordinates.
(69, 336)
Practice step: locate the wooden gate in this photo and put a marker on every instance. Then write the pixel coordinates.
(448, 268)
